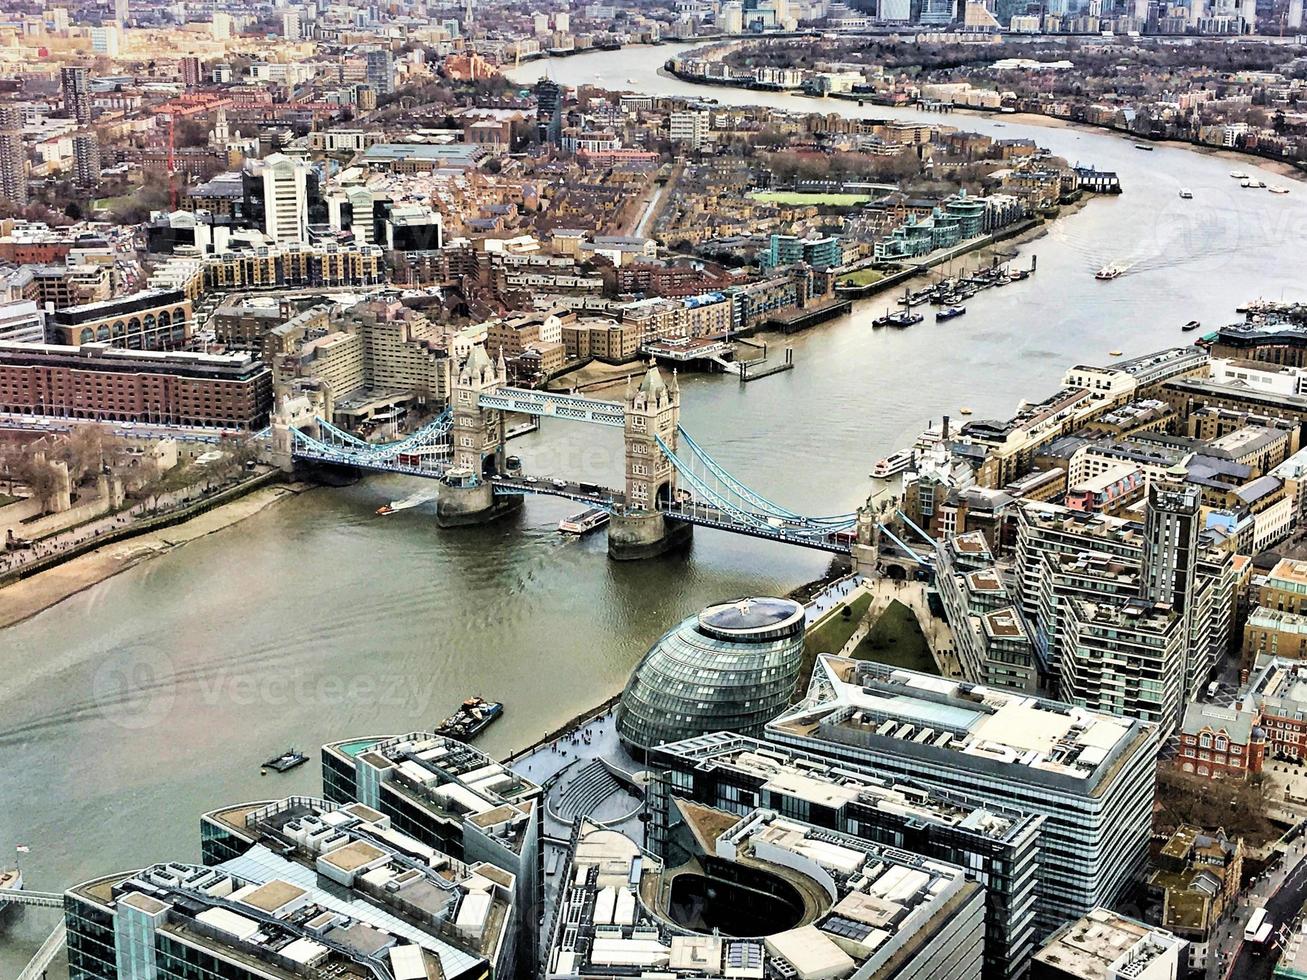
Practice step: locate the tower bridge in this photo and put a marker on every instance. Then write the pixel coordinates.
(671, 483)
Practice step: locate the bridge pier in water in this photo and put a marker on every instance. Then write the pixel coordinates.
(475, 503)
(645, 534)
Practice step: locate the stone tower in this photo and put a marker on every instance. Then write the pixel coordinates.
(653, 412)
(466, 497)
(640, 530)
(477, 433)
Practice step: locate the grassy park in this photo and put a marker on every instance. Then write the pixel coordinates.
(861, 277)
(896, 639)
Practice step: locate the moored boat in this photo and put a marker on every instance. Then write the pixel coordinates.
(473, 717)
(950, 312)
(902, 319)
(11, 879)
(288, 760)
(892, 464)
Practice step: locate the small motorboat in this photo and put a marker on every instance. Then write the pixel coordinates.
(1191, 325)
(1108, 272)
(285, 762)
(1114, 353)
(1186, 194)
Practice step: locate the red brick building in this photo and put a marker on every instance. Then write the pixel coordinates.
(1218, 742)
(102, 383)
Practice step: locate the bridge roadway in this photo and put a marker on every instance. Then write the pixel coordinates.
(692, 512)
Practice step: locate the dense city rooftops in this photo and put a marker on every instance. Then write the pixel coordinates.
(447, 776)
(852, 905)
(275, 916)
(1106, 946)
(812, 777)
(356, 847)
(936, 717)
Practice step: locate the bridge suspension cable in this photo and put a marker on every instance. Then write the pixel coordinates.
(428, 447)
(745, 493)
(712, 497)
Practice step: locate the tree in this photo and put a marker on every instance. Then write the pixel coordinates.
(42, 479)
(1237, 806)
(83, 451)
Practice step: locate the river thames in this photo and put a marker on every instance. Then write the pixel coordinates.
(134, 706)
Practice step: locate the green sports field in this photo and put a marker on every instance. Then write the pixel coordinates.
(805, 197)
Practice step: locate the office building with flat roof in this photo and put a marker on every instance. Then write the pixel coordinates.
(153, 319)
(451, 797)
(472, 906)
(1090, 775)
(735, 774)
(1106, 946)
(764, 896)
(260, 917)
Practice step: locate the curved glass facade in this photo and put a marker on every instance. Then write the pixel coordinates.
(731, 668)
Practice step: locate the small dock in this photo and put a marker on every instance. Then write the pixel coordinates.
(811, 316)
(748, 371)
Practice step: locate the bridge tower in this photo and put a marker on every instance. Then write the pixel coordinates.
(641, 530)
(477, 433)
(866, 550)
(466, 494)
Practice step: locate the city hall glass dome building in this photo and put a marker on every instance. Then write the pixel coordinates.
(731, 668)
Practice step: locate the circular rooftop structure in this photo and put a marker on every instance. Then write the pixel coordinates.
(731, 668)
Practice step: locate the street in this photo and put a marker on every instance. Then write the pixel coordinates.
(1286, 887)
